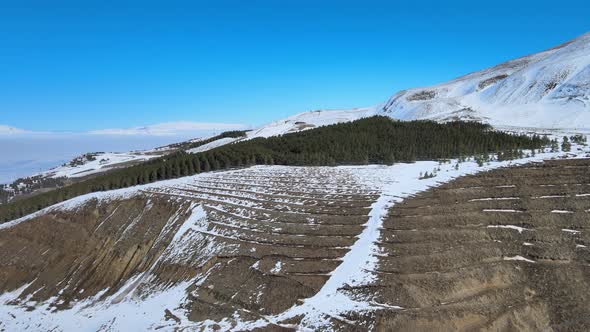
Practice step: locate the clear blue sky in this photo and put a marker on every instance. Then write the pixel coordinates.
(81, 65)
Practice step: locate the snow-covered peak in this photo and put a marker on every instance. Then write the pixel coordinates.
(549, 89)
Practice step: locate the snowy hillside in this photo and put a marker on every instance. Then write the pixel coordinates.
(295, 123)
(550, 89)
(312, 119)
(99, 162)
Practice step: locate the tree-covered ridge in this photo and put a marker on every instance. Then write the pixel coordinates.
(375, 140)
(379, 140)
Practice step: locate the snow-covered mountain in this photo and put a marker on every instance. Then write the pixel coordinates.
(550, 89)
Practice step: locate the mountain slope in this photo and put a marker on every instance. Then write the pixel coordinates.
(550, 89)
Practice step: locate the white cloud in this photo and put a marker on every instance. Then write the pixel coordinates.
(6, 130)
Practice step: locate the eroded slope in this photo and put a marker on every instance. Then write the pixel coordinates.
(239, 244)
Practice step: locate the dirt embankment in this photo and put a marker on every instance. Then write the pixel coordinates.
(75, 254)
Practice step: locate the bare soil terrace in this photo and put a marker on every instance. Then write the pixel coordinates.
(503, 250)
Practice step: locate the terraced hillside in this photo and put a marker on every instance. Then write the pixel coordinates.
(311, 248)
(239, 244)
(502, 250)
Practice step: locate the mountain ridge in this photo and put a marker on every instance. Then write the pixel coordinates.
(526, 91)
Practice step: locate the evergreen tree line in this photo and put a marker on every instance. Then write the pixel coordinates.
(375, 140)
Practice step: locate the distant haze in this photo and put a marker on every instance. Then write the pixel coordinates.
(25, 154)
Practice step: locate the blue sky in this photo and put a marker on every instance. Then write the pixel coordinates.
(84, 65)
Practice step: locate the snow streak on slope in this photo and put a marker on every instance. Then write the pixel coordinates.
(214, 144)
(550, 89)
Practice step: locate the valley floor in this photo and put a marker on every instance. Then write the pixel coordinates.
(318, 248)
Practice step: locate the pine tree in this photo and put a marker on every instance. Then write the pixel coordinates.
(565, 145)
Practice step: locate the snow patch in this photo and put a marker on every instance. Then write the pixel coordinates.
(572, 231)
(518, 258)
(516, 228)
(277, 268)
